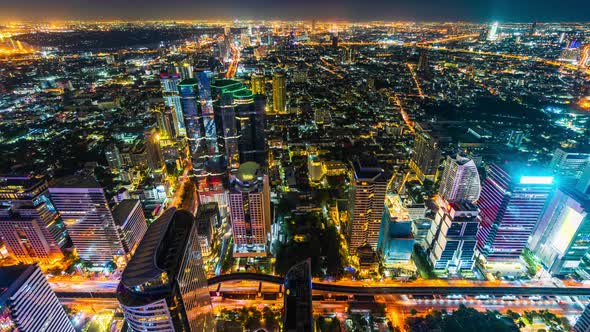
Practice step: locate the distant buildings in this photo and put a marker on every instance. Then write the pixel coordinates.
(27, 302)
(279, 92)
(164, 287)
(249, 203)
(83, 207)
(512, 200)
(298, 310)
(368, 198)
(452, 237)
(561, 237)
(460, 180)
(30, 227)
(130, 222)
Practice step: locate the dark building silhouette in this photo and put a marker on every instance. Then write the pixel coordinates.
(297, 307)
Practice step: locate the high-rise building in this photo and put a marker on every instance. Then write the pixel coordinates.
(113, 156)
(171, 96)
(279, 92)
(27, 302)
(583, 184)
(257, 80)
(493, 32)
(423, 66)
(298, 313)
(249, 205)
(30, 227)
(426, 156)
(208, 219)
(562, 236)
(583, 322)
(512, 200)
(153, 150)
(165, 120)
(452, 237)
(199, 120)
(164, 286)
(83, 207)
(569, 166)
(131, 223)
(396, 242)
(460, 180)
(368, 193)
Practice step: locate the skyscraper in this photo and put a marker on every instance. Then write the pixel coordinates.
(423, 66)
(249, 205)
(460, 180)
(512, 200)
(27, 302)
(131, 223)
(583, 322)
(279, 92)
(164, 286)
(83, 207)
(562, 236)
(569, 166)
(171, 96)
(208, 219)
(493, 32)
(368, 193)
(257, 80)
(199, 119)
(165, 120)
(298, 316)
(452, 237)
(29, 225)
(153, 150)
(426, 156)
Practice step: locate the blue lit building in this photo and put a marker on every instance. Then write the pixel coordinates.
(512, 200)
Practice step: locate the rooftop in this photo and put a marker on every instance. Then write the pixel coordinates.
(76, 181)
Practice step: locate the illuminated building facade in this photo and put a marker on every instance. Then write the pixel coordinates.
(30, 227)
(171, 96)
(569, 166)
(279, 92)
(493, 32)
(396, 242)
(368, 193)
(460, 180)
(249, 205)
(27, 302)
(562, 237)
(257, 80)
(165, 120)
(583, 322)
(452, 237)
(164, 286)
(131, 223)
(83, 207)
(512, 200)
(425, 157)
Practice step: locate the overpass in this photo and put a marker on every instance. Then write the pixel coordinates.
(379, 290)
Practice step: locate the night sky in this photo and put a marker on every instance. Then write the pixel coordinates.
(354, 10)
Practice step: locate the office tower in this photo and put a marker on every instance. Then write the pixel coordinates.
(583, 184)
(186, 70)
(30, 227)
(493, 32)
(561, 238)
(298, 310)
(165, 120)
(28, 304)
(368, 193)
(426, 156)
(113, 156)
(279, 92)
(460, 180)
(511, 202)
(249, 205)
(396, 242)
(131, 223)
(239, 116)
(83, 207)
(452, 237)
(208, 219)
(171, 96)
(583, 322)
(164, 286)
(199, 119)
(258, 83)
(155, 161)
(569, 166)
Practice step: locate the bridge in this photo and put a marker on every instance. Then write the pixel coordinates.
(408, 289)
